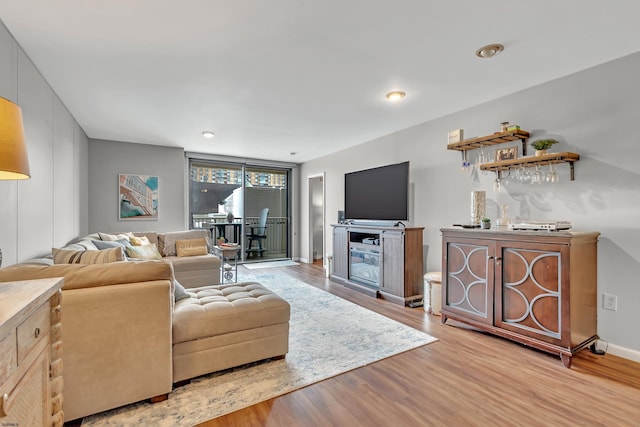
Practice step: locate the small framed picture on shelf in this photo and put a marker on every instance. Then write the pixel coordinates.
(508, 153)
(456, 136)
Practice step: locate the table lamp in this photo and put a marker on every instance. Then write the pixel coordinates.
(13, 151)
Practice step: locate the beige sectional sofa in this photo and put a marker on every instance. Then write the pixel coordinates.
(126, 338)
(116, 331)
(190, 271)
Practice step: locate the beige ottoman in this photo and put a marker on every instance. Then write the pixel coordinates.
(223, 326)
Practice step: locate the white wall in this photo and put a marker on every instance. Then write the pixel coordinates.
(108, 159)
(592, 113)
(50, 208)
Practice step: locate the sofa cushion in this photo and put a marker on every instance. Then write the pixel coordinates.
(152, 236)
(81, 245)
(106, 236)
(191, 247)
(167, 241)
(179, 291)
(78, 276)
(143, 252)
(139, 240)
(66, 256)
(222, 309)
(191, 263)
(108, 244)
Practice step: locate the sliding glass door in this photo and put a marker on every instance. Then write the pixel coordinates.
(243, 204)
(266, 192)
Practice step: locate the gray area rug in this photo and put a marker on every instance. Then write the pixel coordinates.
(269, 264)
(328, 336)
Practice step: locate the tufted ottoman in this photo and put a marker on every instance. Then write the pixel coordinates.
(222, 326)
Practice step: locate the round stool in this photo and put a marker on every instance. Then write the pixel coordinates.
(433, 292)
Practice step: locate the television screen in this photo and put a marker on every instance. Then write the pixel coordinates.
(380, 193)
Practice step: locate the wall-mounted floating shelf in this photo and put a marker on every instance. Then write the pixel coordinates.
(496, 138)
(531, 161)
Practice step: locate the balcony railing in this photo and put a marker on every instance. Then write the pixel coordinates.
(275, 244)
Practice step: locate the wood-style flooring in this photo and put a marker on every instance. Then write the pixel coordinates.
(467, 378)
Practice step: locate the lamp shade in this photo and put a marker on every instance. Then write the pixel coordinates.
(13, 150)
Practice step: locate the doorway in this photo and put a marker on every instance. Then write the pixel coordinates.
(317, 220)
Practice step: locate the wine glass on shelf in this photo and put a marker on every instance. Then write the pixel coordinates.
(538, 176)
(552, 176)
(506, 179)
(523, 175)
(484, 158)
(497, 185)
(465, 161)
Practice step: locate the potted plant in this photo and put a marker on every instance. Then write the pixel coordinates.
(542, 145)
(486, 223)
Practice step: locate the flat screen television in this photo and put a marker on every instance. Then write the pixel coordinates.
(377, 194)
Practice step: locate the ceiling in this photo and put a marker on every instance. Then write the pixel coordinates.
(272, 78)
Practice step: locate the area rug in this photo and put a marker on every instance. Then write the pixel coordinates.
(269, 264)
(328, 336)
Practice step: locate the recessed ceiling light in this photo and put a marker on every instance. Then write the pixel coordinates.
(489, 51)
(396, 95)
(208, 134)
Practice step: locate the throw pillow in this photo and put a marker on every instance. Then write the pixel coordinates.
(65, 256)
(167, 241)
(179, 291)
(143, 252)
(139, 241)
(108, 244)
(81, 245)
(191, 247)
(105, 236)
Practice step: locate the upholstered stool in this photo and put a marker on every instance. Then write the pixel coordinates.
(223, 326)
(433, 292)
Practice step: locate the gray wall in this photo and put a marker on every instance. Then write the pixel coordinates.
(50, 208)
(591, 113)
(108, 159)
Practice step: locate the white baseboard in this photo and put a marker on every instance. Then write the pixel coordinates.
(302, 260)
(623, 352)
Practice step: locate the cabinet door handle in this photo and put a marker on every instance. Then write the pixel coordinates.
(4, 405)
(36, 333)
(490, 257)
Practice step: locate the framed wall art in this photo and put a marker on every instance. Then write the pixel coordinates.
(137, 197)
(508, 153)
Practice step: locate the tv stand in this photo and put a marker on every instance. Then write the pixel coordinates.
(372, 223)
(380, 261)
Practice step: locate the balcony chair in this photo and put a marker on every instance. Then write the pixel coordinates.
(257, 233)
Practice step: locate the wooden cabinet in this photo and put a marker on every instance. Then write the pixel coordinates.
(538, 288)
(31, 346)
(383, 262)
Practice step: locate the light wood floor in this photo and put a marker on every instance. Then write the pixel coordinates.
(467, 378)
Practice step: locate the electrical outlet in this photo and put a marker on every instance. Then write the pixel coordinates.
(609, 302)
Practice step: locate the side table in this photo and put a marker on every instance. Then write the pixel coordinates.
(31, 348)
(228, 262)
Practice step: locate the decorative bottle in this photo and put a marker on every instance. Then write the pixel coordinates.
(504, 220)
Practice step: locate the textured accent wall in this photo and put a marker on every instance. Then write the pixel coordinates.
(50, 208)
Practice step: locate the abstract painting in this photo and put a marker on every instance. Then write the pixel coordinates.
(138, 197)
